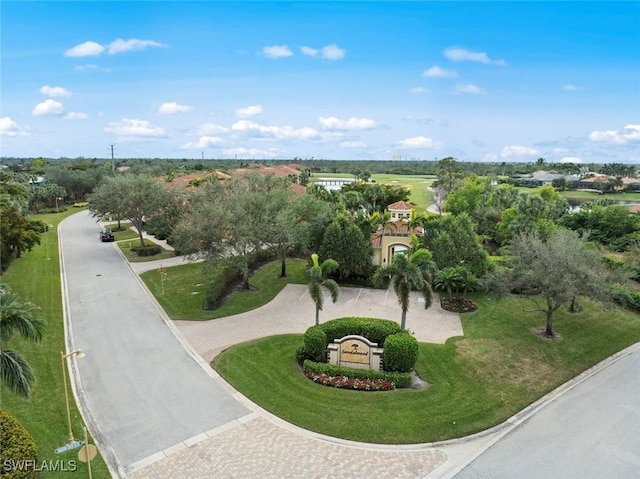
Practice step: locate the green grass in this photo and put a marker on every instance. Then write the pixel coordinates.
(132, 256)
(185, 288)
(37, 279)
(477, 381)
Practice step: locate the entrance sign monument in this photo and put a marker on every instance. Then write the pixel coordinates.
(355, 352)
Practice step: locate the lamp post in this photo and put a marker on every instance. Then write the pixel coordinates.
(78, 354)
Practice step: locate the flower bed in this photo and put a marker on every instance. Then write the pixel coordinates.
(351, 383)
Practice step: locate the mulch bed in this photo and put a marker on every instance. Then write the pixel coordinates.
(458, 305)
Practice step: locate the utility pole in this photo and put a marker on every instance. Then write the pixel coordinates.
(203, 158)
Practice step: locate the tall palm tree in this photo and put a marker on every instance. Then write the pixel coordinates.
(15, 316)
(407, 272)
(318, 278)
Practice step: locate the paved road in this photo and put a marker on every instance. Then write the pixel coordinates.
(591, 431)
(145, 392)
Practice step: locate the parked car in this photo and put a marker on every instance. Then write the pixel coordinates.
(106, 235)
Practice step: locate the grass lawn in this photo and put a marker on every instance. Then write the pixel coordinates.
(37, 279)
(132, 256)
(477, 381)
(186, 285)
(585, 196)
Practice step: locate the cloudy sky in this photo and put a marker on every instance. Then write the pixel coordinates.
(495, 81)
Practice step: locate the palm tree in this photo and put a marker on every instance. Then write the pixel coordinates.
(15, 316)
(448, 279)
(407, 272)
(318, 278)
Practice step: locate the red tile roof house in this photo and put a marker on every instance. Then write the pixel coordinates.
(394, 236)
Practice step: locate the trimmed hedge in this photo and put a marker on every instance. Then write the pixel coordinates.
(16, 448)
(151, 250)
(401, 380)
(315, 344)
(400, 353)
(375, 330)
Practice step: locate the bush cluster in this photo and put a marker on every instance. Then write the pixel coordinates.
(17, 446)
(627, 298)
(229, 273)
(400, 380)
(375, 330)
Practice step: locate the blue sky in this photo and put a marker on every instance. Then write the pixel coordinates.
(479, 81)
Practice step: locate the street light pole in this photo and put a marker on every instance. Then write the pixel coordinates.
(78, 354)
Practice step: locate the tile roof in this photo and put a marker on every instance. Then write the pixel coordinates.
(401, 206)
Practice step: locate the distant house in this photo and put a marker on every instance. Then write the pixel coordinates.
(592, 182)
(333, 183)
(541, 178)
(394, 236)
(36, 181)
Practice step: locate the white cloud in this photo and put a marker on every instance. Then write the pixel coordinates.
(76, 115)
(132, 44)
(629, 134)
(418, 89)
(86, 49)
(570, 159)
(437, 72)
(93, 49)
(353, 144)
(277, 51)
(518, 151)
(333, 52)
(54, 91)
(417, 142)
(471, 89)
(456, 54)
(569, 87)
(252, 152)
(172, 108)
(248, 111)
(312, 52)
(87, 66)
(48, 107)
(333, 123)
(131, 129)
(209, 129)
(203, 142)
(285, 132)
(8, 127)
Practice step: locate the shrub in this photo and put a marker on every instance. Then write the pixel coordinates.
(400, 353)
(81, 204)
(315, 344)
(627, 298)
(16, 447)
(400, 380)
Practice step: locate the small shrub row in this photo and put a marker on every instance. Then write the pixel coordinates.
(401, 380)
(627, 298)
(81, 204)
(17, 449)
(150, 250)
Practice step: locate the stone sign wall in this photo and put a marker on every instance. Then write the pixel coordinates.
(355, 352)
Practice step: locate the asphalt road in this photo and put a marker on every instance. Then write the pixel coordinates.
(144, 391)
(589, 432)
